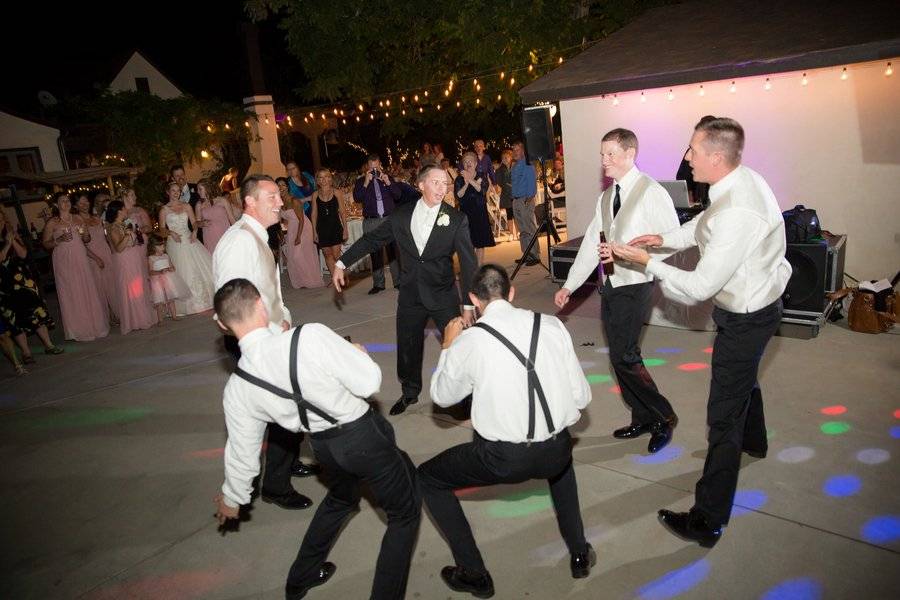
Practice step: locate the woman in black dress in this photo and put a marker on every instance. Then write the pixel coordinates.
(23, 309)
(471, 191)
(328, 219)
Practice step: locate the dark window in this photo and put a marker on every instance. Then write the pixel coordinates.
(142, 84)
(26, 163)
(4, 164)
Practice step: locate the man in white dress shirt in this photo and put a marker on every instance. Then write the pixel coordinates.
(743, 269)
(243, 252)
(520, 414)
(632, 205)
(311, 379)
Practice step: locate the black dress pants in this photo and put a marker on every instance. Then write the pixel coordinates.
(482, 462)
(411, 320)
(623, 310)
(734, 412)
(364, 451)
(282, 446)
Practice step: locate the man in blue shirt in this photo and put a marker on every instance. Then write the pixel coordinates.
(524, 189)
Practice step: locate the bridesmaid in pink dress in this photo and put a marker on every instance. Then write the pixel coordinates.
(100, 255)
(135, 214)
(213, 213)
(130, 264)
(83, 309)
(299, 246)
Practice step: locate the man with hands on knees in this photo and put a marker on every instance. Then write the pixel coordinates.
(743, 269)
(311, 379)
(520, 418)
(428, 233)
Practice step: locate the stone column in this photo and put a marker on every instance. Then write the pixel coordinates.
(265, 154)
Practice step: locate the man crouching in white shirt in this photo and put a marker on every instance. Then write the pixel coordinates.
(326, 398)
(520, 414)
(743, 269)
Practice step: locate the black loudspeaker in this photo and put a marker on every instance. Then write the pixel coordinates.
(806, 288)
(537, 128)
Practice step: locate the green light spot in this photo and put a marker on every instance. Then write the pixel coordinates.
(89, 417)
(770, 433)
(592, 379)
(835, 427)
(653, 362)
(520, 504)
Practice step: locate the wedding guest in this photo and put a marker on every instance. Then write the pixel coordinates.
(328, 219)
(192, 260)
(301, 185)
(299, 245)
(471, 189)
(213, 213)
(127, 241)
(100, 255)
(166, 285)
(84, 314)
(504, 182)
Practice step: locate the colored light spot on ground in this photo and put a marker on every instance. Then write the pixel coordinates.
(873, 456)
(770, 433)
(182, 585)
(674, 583)
(796, 454)
(89, 417)
(668, 350)
(833, 410)
(708, 350)
(835, 427)
(587, 364)
(208, 453)
(841, 486)
(692, 366)
(602, 350)
(463, 492)
(895, 432)
(653, 362)
(615, 390)
(667, 454)
(897, 414)
(882, 530)
(802, 588)
(520, 504)
(748, 500)
(592, 379)
(381, 347)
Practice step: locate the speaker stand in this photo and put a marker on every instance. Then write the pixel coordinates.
(546, 227)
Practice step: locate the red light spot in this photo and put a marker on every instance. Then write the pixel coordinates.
(136, 288)
(462, 492)
(834, 410)
(692, 366)
(208, 453)
(615, 389)
(897, 414)
(708, 350)
(181, 585)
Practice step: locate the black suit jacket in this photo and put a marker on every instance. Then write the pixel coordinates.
(427, 278)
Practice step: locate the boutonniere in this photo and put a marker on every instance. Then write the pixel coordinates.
(443, 219)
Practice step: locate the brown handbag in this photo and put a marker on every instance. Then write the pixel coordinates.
(864, 315)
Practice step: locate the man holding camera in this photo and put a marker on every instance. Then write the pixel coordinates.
(378, 193)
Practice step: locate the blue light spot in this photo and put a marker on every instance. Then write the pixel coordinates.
(802, 588)
(669, 350)
(841, 486)
(674, 583)
(882, 530)
(895, 432)
(748, 500)
(667, 454)
(381, 347)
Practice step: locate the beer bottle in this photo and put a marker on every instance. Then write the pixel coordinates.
(608, 268)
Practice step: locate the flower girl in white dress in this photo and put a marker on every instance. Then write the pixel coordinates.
(165, 284)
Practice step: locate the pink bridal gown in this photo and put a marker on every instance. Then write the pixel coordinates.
(83, 309)
(303, 258)
(218, 224)
(105, 278)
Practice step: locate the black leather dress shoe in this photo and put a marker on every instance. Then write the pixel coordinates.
(756, 453)
(293, 500)
(690, 526)
(375, 289)
(660, 436)
(295, 592)
(301, 469)
(479, 585)
(401, 404)
(582, 562)
(631, 431)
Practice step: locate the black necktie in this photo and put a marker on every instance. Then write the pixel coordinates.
(617, 202)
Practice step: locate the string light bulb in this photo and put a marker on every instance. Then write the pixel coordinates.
(386, 114)
(387, 102)
(372, 116)
(560, 60)
(702, 91)
(670, 95)
(416, 98)
(312, 116)
(209, 128)
(889, 71)
(502, 75)
(446, 93)
(421, 110)
(477, 100)
(227, 126)
(357, 118)
(439, 107)
(450, 85)
(844, 74)
(306, 119)
(478, 88)
(247, 124)
(498, 97)
(512, 81)
(360, 107)
(426, 93)
(733, 88)
(768, 85)
(402, 98)
(530, 68)
(204, 154)
(267, 119)
(804, 81)
(344, 121)
(335, 112)
(615, 100)
(457, 104)
(475, 82)
(381, 103)
(403, 112)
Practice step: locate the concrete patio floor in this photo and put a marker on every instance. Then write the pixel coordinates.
(111, 455)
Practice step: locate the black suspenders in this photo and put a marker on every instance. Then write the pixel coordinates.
(303, 405)
(534, 384)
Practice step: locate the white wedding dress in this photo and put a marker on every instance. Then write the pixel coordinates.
(193, 263)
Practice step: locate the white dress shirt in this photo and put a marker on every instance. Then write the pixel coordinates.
(243, 252)
(646, 208)
(334, 376)
(477, 363)
(742, 245)
(422, 223)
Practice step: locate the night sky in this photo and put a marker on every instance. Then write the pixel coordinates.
(76, 46)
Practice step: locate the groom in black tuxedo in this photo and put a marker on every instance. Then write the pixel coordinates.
(427, 232)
